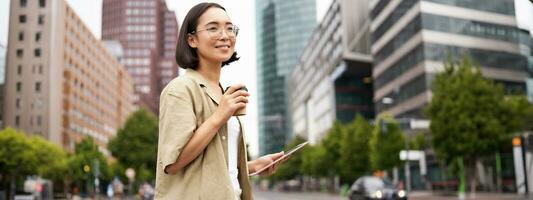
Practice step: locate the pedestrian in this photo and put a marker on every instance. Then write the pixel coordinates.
(202, 149)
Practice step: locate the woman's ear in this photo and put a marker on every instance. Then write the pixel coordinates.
(192, 41)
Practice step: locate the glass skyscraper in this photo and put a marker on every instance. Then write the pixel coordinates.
(283, 29)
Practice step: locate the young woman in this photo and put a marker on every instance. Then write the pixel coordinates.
(201, 149)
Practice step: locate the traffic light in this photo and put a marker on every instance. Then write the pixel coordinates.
(86, 168)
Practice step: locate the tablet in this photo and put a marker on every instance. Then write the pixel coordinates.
(287, 154)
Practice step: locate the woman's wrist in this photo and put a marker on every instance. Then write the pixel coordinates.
(251, 166)
(217, 120)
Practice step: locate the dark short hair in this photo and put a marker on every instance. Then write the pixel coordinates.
(186, 56)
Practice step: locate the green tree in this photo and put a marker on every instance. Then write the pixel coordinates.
(332, 145)
(51, 160)
(21, 156)
(354, 159)
(313, 163)
(135, 145)
(290, 169)
(16, 158)
(86, 163)
(466, 114)
(386, 143)
(517, 114)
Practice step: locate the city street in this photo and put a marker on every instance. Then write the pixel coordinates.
(270, 195)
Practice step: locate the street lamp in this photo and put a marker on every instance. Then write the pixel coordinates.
(130, 173)
(390, 101)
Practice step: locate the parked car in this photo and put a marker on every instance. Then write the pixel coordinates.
(375, 188)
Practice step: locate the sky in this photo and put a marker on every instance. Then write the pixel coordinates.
(242, 13)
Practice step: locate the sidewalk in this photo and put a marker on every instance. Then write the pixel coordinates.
(479, 195)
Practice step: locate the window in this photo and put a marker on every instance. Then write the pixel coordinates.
(39, 120)
(22, 18)
(42, 3)
(23, 3)
(19, 86)
(41, 19)
(17, 120)
(37, 52)
(37, 36)
(40, 69)
(21, 36)
(19, 70)
(38, 87)
(17, 104)
(20, 53)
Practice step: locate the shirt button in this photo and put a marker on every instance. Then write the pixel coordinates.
(223, 137)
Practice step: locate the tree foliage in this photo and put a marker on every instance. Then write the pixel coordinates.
(466, 113)
(386, 143)
(135, 145)
(21, 156)
(354, 159)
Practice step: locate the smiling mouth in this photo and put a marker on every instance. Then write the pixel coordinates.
(222, 46)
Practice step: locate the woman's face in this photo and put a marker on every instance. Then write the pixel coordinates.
(214, 38)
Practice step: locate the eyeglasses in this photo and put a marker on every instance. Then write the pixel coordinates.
(216, 32)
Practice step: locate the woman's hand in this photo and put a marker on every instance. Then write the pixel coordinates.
(263, 161)
(231, 101)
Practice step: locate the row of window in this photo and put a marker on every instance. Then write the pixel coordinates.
(38, 120)
(37, 53)
(132, 36)
(38, 87)
(38, 36)
(149, 28)
(140, 11)
(448, 25)
(498, 6)
(39, 70)
(407, 91)
(23, 19)
(400, 11)
(378, 8)
(141, 20)
(141, 3)
(440, 53)
(24, 3)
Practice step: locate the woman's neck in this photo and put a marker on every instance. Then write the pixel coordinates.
(210, 71)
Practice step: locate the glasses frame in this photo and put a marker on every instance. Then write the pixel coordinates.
(218, 34)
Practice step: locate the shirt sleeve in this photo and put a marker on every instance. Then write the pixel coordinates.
(177, 124)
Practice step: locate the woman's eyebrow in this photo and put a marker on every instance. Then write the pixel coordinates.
(217, 23)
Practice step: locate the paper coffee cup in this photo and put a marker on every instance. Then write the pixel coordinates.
(242, 111)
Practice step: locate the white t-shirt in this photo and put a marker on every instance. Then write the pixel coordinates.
(234, 129)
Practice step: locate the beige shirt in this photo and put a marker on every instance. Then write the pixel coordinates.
(186, 102)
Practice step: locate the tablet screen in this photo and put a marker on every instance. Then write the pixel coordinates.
(287, 154)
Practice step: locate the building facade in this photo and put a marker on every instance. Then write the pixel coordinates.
(332, 79)
(148, 33)
(411, 40)
(61, 82)
(2, 80)
(283, 28)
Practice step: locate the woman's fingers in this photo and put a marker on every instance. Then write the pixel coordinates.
(233, 88)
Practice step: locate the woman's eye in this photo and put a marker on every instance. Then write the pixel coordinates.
(212, 29)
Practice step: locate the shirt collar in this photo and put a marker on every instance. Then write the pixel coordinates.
(198, 78)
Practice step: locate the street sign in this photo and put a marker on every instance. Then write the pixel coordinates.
(413, 155)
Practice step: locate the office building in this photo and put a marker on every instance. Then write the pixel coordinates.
(411, 40)
(61, 82)
(332, 79)
(148, 32)
(283, 28)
